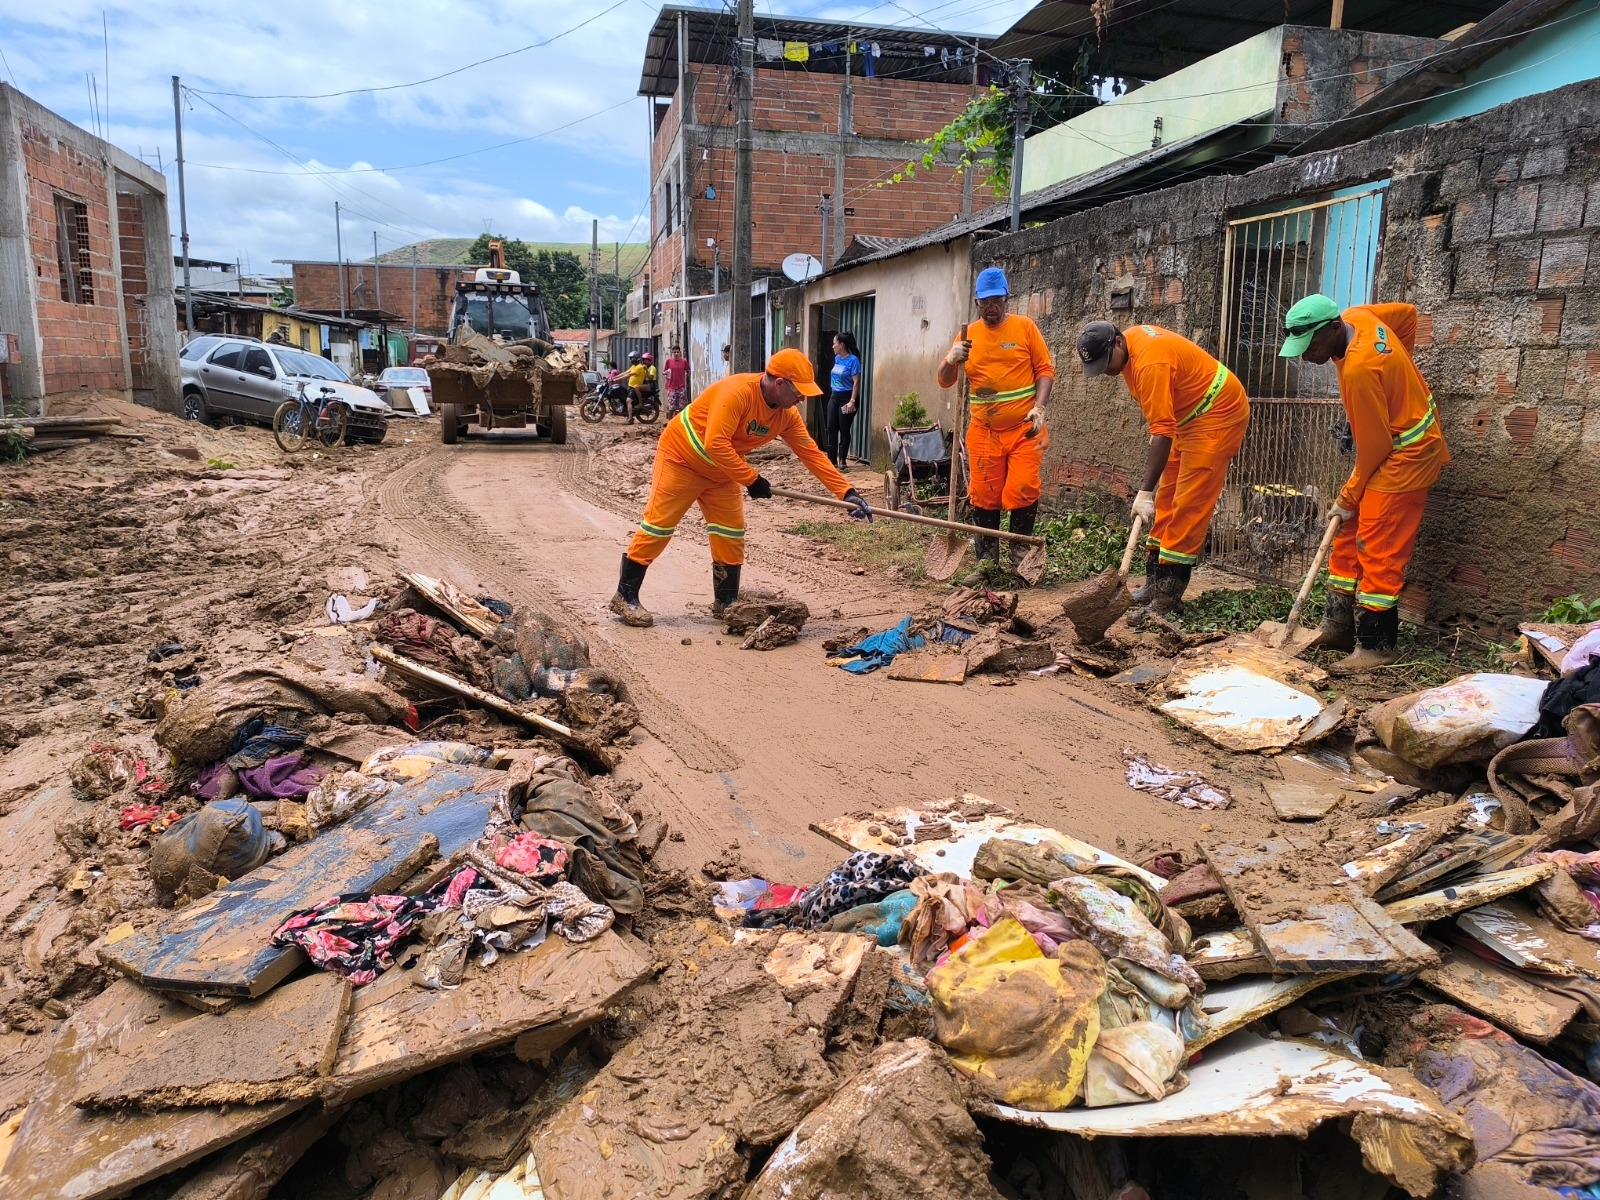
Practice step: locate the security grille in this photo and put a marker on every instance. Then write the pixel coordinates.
(1298, 451)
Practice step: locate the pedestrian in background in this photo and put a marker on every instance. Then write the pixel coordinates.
(677, 376)
(845, 382)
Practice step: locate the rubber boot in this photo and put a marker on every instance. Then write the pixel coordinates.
(626, 602)
(1023, 521)
(1377, 642)
(987, 548)
(1171, 581)
(1152, 559)
(1338, 630)
(724, 586)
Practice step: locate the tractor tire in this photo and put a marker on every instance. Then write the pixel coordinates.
(558, 424)
(449, 423)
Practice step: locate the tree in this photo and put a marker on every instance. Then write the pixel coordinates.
(560, 275)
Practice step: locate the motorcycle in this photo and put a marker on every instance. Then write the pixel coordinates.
(611, 396)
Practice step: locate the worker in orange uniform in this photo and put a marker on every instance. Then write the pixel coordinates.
(1197, 413)
(1010, 372)
(700, 460)
(1399, 454)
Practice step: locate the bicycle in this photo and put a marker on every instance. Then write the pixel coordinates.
(296, 422)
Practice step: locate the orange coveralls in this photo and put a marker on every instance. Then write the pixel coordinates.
(700, 459)
(1399, 454)
(1190, 397)
(1003, 368)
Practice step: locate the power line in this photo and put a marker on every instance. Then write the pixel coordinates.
(394, 87)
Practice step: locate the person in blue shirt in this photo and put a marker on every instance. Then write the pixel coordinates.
(845, 383)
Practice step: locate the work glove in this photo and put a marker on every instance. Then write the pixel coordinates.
(1344, 514)
(1144, 508)
(758, 488)
(1035, 421)
(860, 510)
(958, 353)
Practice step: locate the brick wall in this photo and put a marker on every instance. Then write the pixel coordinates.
(82, 342)
(316, 286)
(1489, 230)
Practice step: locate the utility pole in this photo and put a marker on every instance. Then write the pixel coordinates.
(616, 286)
(413, 287)
(594, 296)
(238, 270)
(183, 210)
(743, 188)
(377, 284)
(1021, 86)
(826, 209)
(338, 243)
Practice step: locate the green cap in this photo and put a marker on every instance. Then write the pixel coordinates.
(1302, 322)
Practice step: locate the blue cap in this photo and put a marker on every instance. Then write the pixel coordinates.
(991, 282)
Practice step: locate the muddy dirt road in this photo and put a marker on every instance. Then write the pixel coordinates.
(753, 747)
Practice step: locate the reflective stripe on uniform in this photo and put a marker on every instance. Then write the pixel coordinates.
(695, 443)
(1341, 583)
(1376, 600)
(1217, 382)
(1410, 437)
(727, 531)
(657, 530)
(985, 396)
(1172, 557)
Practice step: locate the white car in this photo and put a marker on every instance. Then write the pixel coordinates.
(407, 390)
(242, 377)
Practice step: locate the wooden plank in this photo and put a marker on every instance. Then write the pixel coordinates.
(1514, 931)
(1446, 902)
(251, 1169)
(223, 943)
(274, 1048)
(1380, 866)
(1301, 801)
(929, 666)
(557, 989)
(71, 1153)
(1306, 915)
(1512, 1001)
(1232, 1006)
(1227, 954)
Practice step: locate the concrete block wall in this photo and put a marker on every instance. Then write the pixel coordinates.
(316, 287)
(1490, 222)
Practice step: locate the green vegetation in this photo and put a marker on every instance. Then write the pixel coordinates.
(1572, 610)
(909, 413)
(219, 464)
(13, 445)
(1079, 544)
(1240, 610)
(885, 545)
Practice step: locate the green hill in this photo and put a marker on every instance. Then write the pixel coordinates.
(445, 252)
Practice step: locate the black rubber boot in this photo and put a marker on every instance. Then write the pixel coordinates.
(724, 587)
(626, 602)
(1338, 630)
(1152, 559)
(1024, 519)
(987, 548)
(1171, 581)
(1377, 642)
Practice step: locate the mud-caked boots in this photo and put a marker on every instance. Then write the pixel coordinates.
(1152, 559)
(987, 549)
(626, 602)
(1338, 630)
(1377, 642)
(724, 586)
(1023, 521)
(1171, 580)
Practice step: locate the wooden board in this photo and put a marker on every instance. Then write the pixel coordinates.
(1513, 1002)
(1301, 801)
(69, 1153)
(1513, 930)
(223, 943)
(929, 666)
(274, 1048)
(1227, 954)
(557, 989)
(1305, 915)
(1446, 902)
(1229, 1007)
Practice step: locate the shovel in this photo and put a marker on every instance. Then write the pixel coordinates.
(946, 552)
(1031, 567)
(1094, 606)
(1289, 635)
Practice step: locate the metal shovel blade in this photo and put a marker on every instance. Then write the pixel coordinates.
(944, 554)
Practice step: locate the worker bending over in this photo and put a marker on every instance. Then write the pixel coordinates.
(1197, 413)
(1399, 454)
(1010, 372)
(700, 460)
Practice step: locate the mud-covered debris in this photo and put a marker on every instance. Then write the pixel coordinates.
(770, 634)
(1187, 789)
(746, 614)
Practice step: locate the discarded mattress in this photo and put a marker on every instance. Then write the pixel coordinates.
(1242, 695)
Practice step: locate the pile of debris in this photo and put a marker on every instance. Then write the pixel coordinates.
(483, 360)
(21, 436)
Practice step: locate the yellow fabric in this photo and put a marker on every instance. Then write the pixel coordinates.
(1020, 1024)
(797, 51)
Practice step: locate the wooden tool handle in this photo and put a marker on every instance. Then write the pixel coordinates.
(1311, 575)
(916, 518)
(1127, 551)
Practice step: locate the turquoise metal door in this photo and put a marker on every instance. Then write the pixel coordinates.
(855, 316)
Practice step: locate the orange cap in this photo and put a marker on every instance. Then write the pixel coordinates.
(796, 368)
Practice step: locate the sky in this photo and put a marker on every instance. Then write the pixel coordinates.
(263, 174)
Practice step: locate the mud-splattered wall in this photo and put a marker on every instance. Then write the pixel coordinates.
(1489, 229)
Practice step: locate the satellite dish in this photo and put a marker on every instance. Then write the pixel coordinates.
(801, 267)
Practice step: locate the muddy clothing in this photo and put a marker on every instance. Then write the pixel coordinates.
(1187, 395)
(1003, 368)
(700, 460)
(1399, 454)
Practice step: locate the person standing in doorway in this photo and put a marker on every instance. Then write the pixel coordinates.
(845, 382)
(677, 377)
(1011, 373)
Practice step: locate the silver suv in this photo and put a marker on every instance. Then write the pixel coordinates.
(243, 377)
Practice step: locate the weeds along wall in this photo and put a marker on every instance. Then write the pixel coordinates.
(1489, 224)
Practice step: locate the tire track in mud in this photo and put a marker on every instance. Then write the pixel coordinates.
(402, 498)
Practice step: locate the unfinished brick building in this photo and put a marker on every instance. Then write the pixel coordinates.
(85, 270)
(425, 292)
(838, 109)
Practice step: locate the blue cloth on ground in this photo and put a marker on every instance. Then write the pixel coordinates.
(880, 649)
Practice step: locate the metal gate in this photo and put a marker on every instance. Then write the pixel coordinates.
(1298, 451)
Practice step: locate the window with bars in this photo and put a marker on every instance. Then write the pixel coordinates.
(72, 250)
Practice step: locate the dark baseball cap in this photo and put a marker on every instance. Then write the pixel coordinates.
(1094, 346)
